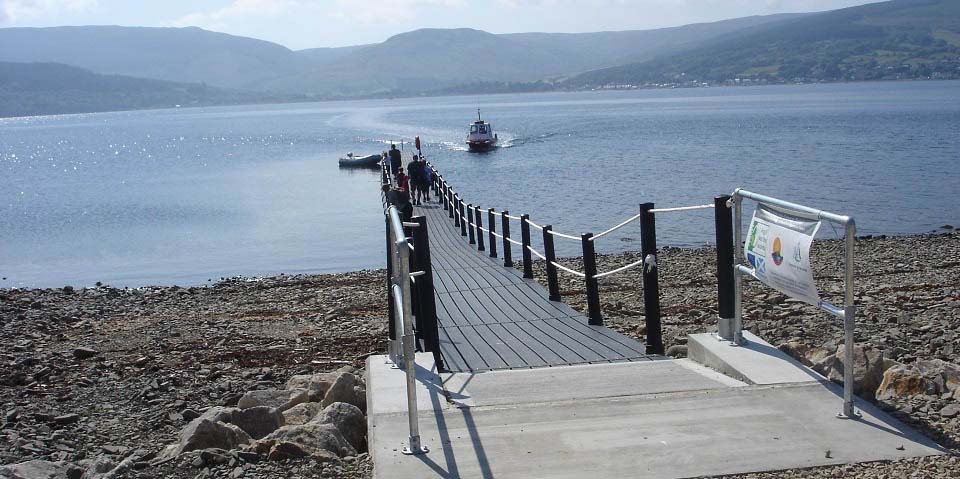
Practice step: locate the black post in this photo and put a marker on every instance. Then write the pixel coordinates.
(442, 196)
(553, 281)
(478, 218)
(462, 216)
(427, 317)
(507, 252)
(492, 227)
(455, 211)
(470, 222)
(593, 287)
(723, 220)
(651, 287)
(391, 312)
(525, 240)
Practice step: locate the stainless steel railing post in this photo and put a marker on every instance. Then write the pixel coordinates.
(404, 318)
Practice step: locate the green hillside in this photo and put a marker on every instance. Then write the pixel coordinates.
(28, 89)
(902, 39)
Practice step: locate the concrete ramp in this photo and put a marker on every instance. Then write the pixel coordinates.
(658, 419)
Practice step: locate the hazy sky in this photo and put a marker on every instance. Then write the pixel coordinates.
(322, 23)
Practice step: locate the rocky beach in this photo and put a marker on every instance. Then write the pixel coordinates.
(234, 379)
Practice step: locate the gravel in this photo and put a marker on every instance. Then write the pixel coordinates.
(90, 373)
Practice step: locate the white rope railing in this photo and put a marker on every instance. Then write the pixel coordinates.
(556, 233)
(495, 234)
(531, 223)
(573, 272)
(682, 208)
(536, 253)
(513, 241)
(622, 268)
(615, 228)
(513, 217)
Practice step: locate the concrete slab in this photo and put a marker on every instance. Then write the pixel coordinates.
(755, 362)
(387, 386)
(572, 383)
(716, 431)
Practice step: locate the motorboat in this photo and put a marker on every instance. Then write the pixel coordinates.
(481, 136)
(354, 161)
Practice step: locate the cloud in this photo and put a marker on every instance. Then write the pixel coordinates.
(237, 8)
(13, 11)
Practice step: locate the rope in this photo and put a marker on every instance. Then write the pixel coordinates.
(615, 228)
(513, 241)
(555, 233)
(495, 234)
(535, 253)
(608, 273)
(484, 229)
(531, 223)
(513, 217)
(682, 208)
(573, 272)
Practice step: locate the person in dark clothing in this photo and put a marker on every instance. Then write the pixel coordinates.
(415, 172)
(403, 181)
(401, 200)
(395, 159)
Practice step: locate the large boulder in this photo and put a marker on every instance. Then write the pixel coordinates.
(33, 470)
(257, 421)
(349, 420)
(202, 433)
(934, 377)
(316, 440)
(219, 414)
(347, 388)
(316, 385)
(301, 413)
(279, 399)
(868, 367)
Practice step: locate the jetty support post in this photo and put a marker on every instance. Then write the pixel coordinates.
(553, 280)
(462, 217)
(651, 286)
(427, 318)
(525, 240)
(391, 308)
(507, 246)
(492, 228)
(723, 223)
(455, 211)
(478, 217)
(594, 313)
(470, 223)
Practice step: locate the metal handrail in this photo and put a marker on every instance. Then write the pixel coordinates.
(682, 208)
(849, 309)
(405, 357)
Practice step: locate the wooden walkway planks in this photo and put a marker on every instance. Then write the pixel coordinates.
(491, 318)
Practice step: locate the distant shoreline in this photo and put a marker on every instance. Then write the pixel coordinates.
(401, 95)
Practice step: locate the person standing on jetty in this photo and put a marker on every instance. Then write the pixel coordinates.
(427, 179)
(395, 160)
(403, 182)
(415, 171)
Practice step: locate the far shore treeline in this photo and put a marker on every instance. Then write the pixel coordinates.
(104, 68)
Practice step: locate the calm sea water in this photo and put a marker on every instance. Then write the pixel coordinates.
(182, 196)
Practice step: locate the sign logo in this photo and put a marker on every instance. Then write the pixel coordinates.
(777, 255)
